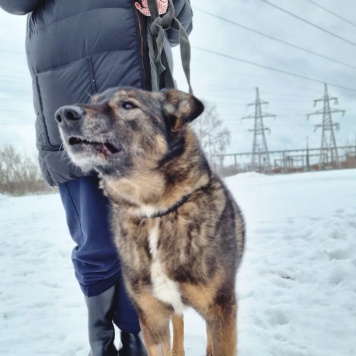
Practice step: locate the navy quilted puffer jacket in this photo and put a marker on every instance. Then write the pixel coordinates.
(76, 49)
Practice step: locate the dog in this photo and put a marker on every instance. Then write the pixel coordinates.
(179, 233)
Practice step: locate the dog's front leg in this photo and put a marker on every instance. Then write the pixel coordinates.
(209, 346)
(154, 346)
(154, 321)
(222, 330)
(178, 335)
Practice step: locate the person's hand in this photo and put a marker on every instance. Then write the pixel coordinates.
(162, 6)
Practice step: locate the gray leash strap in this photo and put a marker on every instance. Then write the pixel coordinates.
(160, 70)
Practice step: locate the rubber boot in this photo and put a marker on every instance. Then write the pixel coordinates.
(100, 324)
(132, 345)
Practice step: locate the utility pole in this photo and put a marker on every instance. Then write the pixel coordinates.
(328, 143)
(260, 155)
(308, 160)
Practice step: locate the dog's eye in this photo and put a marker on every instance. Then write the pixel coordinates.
(127, 105)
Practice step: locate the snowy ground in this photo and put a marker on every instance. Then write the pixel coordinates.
(297, 283)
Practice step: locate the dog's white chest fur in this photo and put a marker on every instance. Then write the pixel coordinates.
(163, 287)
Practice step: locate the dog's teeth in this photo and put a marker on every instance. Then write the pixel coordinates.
(105, 148)
(99, 147)
(112, 149)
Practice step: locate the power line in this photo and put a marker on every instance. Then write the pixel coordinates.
(15, 100)
(217, 87)
(276, 39)
(271, 68)
(231, 71)
(25, 74)
(12, 52)
(16, 91)
(332, 13)
(17, 79)
(20, 111)
(311, 24)
(16, 124)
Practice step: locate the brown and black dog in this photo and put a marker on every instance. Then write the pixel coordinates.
(178, 231)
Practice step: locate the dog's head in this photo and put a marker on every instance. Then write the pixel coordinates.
(124, 128)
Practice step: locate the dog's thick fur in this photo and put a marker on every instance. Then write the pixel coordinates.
(179, 233)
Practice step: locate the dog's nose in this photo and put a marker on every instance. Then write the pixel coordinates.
(68, 113)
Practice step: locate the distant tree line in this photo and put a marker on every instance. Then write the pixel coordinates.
(213, 136)
(20, 174)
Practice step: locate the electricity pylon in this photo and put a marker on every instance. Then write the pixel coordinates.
(328, 143)
(260, 155)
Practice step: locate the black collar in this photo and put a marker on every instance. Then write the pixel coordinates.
(177, 205)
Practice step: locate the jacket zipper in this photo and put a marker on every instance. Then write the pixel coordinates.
(141, 48)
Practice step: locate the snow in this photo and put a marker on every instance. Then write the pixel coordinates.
(296, 285)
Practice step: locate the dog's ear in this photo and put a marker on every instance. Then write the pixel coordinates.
(180, 108)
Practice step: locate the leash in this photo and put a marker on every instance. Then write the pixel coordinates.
(158, 22)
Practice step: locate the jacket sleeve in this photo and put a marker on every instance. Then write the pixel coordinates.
(183, 12)
(20, 7)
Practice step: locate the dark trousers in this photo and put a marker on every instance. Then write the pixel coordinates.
(95, 258)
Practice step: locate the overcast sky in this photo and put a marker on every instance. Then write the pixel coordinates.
(230, 83)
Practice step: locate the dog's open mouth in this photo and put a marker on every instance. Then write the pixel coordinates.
(108, 149)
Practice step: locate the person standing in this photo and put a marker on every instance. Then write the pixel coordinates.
(76, 49)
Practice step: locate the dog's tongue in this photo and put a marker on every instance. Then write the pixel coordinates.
(106, 148)
(102, 148)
